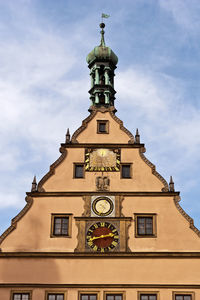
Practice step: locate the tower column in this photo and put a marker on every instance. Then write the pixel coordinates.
(106, 75)
(107, 97)
(92, 78)
(97, 75)
(96, 98)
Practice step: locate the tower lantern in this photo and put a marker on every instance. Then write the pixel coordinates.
(102, 62)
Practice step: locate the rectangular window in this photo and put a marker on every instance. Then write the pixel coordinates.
(148, 297)
(145, 225)
(21, 296)
(61, 225)
(55, 296)
(102, 126)
(183, 297)
(114, 296)
(125, 170)
(88, 297)
(78, 170)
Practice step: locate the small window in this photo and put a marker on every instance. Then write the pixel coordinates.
(183, 297)
(102, 126)
(61, 225)
(55, 296)
(21, 296)
(126, 171)
(114, 296)
(88, 297)
(78, 170)
(148, 297)
(145, 225)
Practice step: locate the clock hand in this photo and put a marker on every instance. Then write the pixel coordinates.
(102, 236)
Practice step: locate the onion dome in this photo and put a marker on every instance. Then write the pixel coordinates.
(102, 52)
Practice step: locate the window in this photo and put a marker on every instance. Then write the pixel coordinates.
(183, 296)
(21, 296)
(114, 297)
(125, 170)
(148, 297)
(55, 296)
(145, 225)
(88, 297)
(61, 225)
(78, 170)
(102, 126)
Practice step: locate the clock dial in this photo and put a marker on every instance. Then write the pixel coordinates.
(102, 237)
(102, 206)
(102, 160)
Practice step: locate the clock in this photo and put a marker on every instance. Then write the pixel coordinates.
(103, 160)
(102, 237)
(102, 206)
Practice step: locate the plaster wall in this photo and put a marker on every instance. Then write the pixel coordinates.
(142, 177)
(100, 271)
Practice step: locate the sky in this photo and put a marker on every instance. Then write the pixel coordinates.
(44, 83)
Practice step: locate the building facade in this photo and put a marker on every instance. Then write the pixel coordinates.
(102, 224)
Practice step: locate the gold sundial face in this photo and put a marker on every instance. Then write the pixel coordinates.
(105, 160)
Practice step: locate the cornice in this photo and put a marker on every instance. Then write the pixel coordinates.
(14, 221)
(94, 255)
(153, 168)
(92, 193)
(98, 145)
(63, 152)
(101, 286)
(185, 215)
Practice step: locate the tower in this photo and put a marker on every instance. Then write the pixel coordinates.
(102, 62)
(102, 224)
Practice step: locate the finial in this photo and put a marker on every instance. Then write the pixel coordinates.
(67, 139)
(102, 25)
(137, 137)
(171, 185)
(34, 185)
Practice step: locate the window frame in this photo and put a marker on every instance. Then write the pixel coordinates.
(57, 292)
(21, 292)
(59, 215)
(74, 170)
(106, 122)
(114, 293)
(148, 293)
(183, 293)
(80, 293)
(121, 167)
(154, 225)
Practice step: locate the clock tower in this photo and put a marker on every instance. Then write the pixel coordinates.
(102, 224)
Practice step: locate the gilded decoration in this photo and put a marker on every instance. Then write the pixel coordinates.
(102, 160)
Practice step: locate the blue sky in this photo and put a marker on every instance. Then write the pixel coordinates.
(44, 78)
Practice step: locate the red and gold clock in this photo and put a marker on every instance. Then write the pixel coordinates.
(102, 237)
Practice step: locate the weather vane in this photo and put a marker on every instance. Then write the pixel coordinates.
(104, 16)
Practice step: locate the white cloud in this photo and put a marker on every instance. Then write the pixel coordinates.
(184, 12)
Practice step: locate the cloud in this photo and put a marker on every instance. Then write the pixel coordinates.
(184, 12)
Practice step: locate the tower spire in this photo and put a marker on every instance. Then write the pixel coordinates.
(102, 62)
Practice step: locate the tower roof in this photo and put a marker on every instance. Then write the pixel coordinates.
(102, 52)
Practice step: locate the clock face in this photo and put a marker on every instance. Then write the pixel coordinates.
(102, 206)
(102, 160)
(102, 237)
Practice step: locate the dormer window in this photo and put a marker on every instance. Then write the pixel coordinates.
(102, 126)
